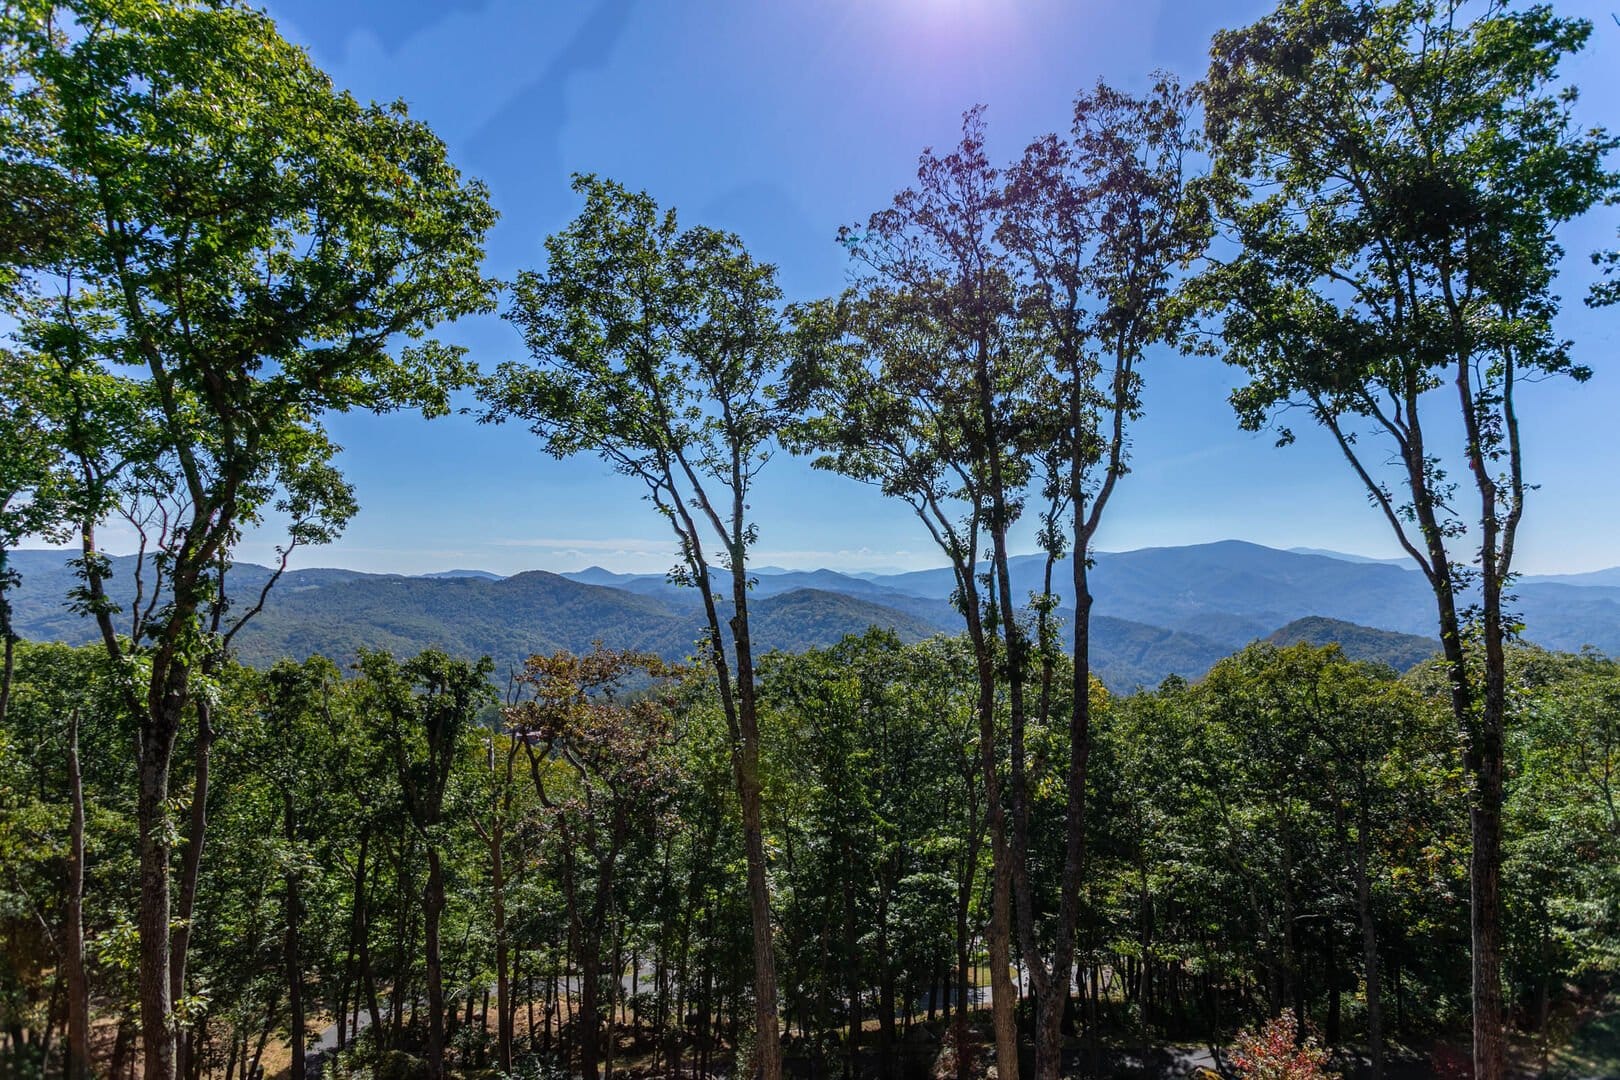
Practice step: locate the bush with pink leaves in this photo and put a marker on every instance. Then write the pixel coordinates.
(1277, 1052)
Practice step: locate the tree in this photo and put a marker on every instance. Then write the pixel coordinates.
(425, 708)
(64, 837)
(256, 265)
(617, 775)
(1096, 227)
(298, 750)
(503, 831)
(1392, 176)
(881, 847)
(1561, 861)
(916, 387)
(660, 350)
(1320, 756)
(1002, 324)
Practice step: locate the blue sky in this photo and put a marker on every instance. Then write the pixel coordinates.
(781, 120)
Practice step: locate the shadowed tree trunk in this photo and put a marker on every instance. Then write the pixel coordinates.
(77, 1064)
(432, 912)
(292, 949)
(1369, 946)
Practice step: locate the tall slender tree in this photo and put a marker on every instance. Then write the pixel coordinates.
(660, 349)
(917, 387)
(503, 826)
(1095, 227)
(1392, 176)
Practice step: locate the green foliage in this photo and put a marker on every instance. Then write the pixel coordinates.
(233, 274)
(256, 265)
(658, 349)
(875, 769)
(1394, 176)
(242, 250)
(1395, 173)
(1565, 918)
(398, 1065)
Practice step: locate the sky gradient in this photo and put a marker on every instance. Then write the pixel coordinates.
(781, 121)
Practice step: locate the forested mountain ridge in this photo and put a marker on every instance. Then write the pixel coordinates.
(1162, 611)
(1399, 651)
(337, 612)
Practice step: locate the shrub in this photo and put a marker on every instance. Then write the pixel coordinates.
(1277, 1052)
(398, 1065)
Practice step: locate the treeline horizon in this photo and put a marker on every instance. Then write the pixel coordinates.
(206, 249)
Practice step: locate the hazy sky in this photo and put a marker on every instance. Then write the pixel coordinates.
(781, 120)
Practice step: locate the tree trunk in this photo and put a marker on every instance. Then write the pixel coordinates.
(1482, 757)
(253, 1072)
(852, 977)
(553, 1008)
(1330, 957)
(1484, 871)
(1482, 754)
(1054, 1003)
(767, 1038)
(998, 935)
(587, 1019)
(1015, 841)
(367, 974)
(292, 951)
(1485, 826)
(190, 868)
(1369, 950)
(77, 1065)
(964, 897)
(528, 993)
(1003, 993)
(885, 972)
(152, 919)
(432, 910)
(616, 966)
(351, 962)
(48, 1036)
(120, 1051)
(8, 641)
(503, 984)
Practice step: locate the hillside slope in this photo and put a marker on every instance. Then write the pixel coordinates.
(1399, 651)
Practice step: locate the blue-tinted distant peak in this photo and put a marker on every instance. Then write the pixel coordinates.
(1345, 556)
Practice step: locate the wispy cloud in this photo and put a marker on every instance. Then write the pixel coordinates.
(841, 559)
(626, 545)
(642, 554)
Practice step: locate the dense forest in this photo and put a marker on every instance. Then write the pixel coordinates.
(951, 854)
(1249, 835)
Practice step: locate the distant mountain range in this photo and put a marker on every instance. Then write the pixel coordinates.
(1158, 611)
